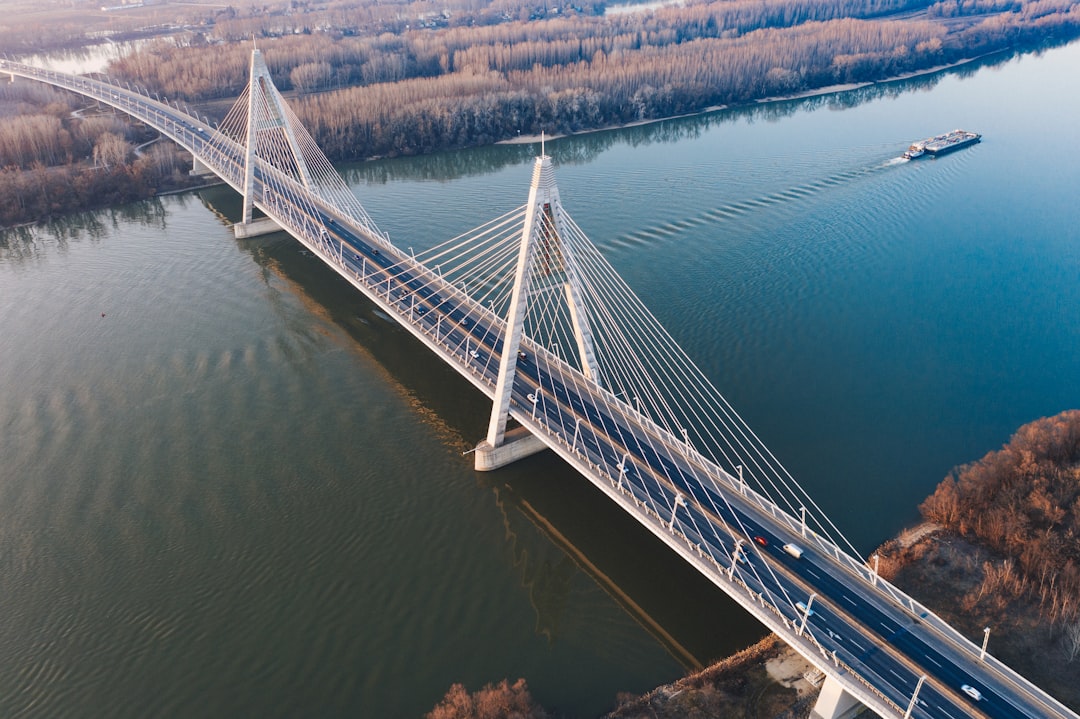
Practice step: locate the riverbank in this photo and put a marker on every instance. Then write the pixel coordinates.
(1023, 497)
(816, 92)
(766, 679)
(947, 573)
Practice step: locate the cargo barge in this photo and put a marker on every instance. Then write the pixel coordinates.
(941, 144)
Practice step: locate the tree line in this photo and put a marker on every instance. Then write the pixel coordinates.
(53, 161)
(1024, 502)
(190, 71)
(477, 72)
(430, 89)
(479, 105)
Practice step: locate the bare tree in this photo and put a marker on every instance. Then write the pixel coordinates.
(1071, 639)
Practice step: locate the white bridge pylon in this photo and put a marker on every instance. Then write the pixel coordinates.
(266, 119)
(546, 265)
(273, 138)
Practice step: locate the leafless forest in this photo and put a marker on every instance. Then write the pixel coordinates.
(54, 161)
(1024, 502)
(495, 76)
(406, 77)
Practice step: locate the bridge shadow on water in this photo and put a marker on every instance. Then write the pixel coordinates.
(556, 523)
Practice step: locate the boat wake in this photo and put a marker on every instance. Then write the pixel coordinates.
(673, 229)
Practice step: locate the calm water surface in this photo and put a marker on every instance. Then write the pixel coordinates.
(229, 488)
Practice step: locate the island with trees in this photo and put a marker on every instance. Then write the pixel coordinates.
(401, 78)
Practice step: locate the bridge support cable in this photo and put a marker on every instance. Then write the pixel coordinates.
(646, 368)
(261, 122)
(544, 266)
(572, 304)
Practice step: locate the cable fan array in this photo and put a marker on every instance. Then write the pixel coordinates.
(282, 141)
(572, 293)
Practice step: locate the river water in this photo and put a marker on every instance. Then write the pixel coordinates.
(230, 488)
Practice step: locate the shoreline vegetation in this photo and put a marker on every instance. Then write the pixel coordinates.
(442, 88)
(400, 78)
(806, 94)
(999, 547)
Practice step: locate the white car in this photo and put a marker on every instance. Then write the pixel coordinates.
(972, 692)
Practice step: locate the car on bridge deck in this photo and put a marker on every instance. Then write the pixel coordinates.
(761, 540)
(972, 692)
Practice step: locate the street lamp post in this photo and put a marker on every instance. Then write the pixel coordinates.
(986, 640)
(680, 501)
(622, 469)
(806, 614)
(914, 696)
(735, 558)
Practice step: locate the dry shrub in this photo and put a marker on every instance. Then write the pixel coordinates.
(1023, 501)
(495, 701)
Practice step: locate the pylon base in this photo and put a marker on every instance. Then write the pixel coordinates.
(261, 226)
(518, 443)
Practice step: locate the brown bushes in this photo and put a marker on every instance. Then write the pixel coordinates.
(1024, 502)
(494, 701)
(42, 192)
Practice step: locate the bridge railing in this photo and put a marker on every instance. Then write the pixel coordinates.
(889, 594)
(591, 463)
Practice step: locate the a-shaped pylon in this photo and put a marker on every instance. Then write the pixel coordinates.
(545, 262)
(294, 171)
(270, 134)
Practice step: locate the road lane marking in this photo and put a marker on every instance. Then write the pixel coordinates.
(849, 599)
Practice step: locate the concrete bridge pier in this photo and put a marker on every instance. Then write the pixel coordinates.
(255, 228)
(518, 443)
(835, 703)
(199, 169)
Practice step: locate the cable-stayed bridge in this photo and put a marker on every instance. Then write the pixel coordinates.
(529, 311)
